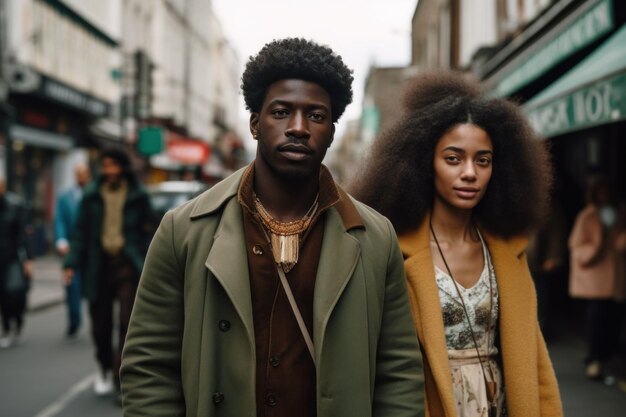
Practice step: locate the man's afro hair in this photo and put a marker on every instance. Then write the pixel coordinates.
(297, 58)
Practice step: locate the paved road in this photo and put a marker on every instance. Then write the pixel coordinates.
(45, 376)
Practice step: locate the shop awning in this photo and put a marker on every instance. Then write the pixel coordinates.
(590, 94)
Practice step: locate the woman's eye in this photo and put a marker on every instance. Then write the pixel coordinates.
(452, 159)
(484, 161)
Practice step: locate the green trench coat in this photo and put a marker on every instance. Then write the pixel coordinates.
(190, 347)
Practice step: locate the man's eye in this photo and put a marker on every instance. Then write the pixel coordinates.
(280, 113)
(318, 117)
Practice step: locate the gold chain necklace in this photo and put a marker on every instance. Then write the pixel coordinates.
(285, 236)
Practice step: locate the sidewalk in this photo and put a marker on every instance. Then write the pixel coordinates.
(582, 397)
(46, 287)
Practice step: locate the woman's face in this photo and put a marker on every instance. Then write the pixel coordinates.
(463, 165)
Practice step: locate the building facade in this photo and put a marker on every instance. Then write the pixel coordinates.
(80, 75)
(56, 60)
(179, 83)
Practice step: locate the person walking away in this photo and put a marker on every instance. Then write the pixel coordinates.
(16, 266)
(275, 293)
(65, 218)
(108, 246)
(473, 183)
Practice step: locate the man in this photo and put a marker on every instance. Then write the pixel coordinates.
(108, 246)
(16, 266)
(66, 210)
(214, 331)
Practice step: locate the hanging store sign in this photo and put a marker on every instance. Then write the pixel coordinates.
(597, 21)
(599, 103)
(71, 97)
(188, 151)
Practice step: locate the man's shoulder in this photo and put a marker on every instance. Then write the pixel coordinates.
(211, 201)
(367, 213)
(374, 222)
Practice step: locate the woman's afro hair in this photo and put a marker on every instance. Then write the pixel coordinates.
(397, 178)
(297, 58)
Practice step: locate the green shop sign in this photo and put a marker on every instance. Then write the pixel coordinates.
(602, 102)
(590, 26)
(150, 140)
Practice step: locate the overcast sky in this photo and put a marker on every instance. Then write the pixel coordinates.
(363, 32)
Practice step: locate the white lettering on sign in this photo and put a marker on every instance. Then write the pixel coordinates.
(593, 104)
(74, 98)
(550, 119)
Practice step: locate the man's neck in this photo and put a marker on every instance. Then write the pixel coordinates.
(285, 200)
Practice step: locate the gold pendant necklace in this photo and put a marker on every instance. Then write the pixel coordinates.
(285, 236)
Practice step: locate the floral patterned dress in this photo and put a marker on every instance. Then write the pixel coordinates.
(467, 374)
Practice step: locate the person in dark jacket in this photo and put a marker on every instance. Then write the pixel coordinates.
(108, 245)
(15, 266)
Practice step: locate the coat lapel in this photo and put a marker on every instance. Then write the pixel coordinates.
(517, 317)
(427, 312)
(338, 259)
(227, 261)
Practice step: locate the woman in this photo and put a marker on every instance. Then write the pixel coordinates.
(597, 273)
(463, 178)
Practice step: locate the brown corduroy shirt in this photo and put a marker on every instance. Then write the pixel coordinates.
(285, 372)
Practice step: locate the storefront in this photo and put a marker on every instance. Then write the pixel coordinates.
(47, 134)
(586, 108)
(568, 69)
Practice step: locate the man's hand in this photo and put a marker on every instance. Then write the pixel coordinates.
(68, 276)
(27, 267)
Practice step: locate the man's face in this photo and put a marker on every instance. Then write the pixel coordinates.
(111, 170)
(82, 175)
(294, 128)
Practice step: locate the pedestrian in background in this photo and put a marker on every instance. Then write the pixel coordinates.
(463, 178)
(597, 245)
(65, 218)
(275, 293)
(16, 266)
(108, 246)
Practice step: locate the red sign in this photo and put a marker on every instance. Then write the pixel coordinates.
(188, 151)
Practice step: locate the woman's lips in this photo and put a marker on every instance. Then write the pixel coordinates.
(467, 193)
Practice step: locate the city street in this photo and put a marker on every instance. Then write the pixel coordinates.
(47, 376)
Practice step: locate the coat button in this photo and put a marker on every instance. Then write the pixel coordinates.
(257, 250)
(218, 398)
(271, 400)
(224, 325)
(274, 361)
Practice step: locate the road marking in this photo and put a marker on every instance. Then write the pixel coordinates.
(59, 405)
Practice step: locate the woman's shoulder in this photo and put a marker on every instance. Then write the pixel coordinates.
(516, 244)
